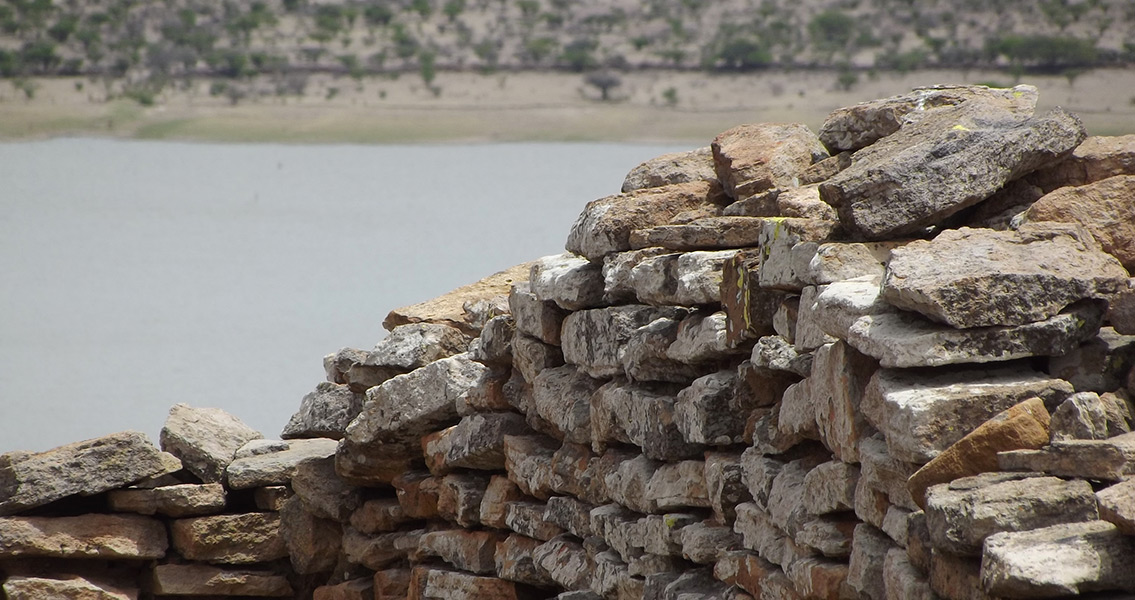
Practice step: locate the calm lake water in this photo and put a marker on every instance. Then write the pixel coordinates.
(136, 275)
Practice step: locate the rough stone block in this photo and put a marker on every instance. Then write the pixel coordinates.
(229, 539)
(312, 543)
(594, 339)
(377, 552)
(1117, 505)
(72, 587)
(459, 497)
(323, 492)
(264, 463)
(527, 519)
(204, 580)
(830, 488)
(477, 442)
(869, 550)
(683, 279)
(639, 414)
(534, 317)
(172, 501)
(515, 562)
(324, 413)
(753, 158)
(471, 551)
(1112, 459)
(205, 439)
(92, 536)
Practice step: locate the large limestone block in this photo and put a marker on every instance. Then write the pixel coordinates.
(685, 279)
(947, 161)
(830, 536)
(902, 580)
(753, 158)
(980, 277)
(618, 285)
(377, 552)
(404, 408)
(922, 414)
(528, 461)
(71, 587)
(645, 356)
(229, 539)
(312, 543)
(565, 561)
(205, 439)
(639, 414)
(749, 308)
(702, 339)
(836, 261)
(594, 339)
(183, 500)
(261, 463)
(28, 480)
(1021, 426)
(204, 580)
(348, 367)
(1099, 157)
(706, 233)
(837, 306)
(712, 411)
(605, 225)
(963, 513)
(1058, 561)
(649, 486)
(562, 397)
(1112, 459)
(459, 497)
(323, 492)
(534, 317)
(1104, 208)
(412, 346)
(860, 125)
(89, 536)
(450, 308)
(676, 167)
(830, 488)
(909, 340)
(571, 282)
(787, 245)
(839, 378)
(869, 549)
(454, 585)
(477, 442)
(530, 356)
(514, 562)
(471, 551)
(325, 412)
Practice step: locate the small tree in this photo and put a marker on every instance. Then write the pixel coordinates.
(605, 81)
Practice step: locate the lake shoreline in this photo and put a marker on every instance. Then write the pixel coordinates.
(648, 106)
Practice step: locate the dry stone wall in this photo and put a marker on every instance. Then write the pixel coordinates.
(893, 360)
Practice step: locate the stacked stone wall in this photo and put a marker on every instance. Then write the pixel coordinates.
(891, 360)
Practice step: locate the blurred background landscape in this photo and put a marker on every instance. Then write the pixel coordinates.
(433, 70)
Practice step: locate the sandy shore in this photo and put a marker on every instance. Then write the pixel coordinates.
(648, 106)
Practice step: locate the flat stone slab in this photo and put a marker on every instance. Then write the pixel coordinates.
(274, 463)
(449, 308)
(204, 580)
(119, 537)
(71, 587)
(172, 501)
(205, 439)
(85, 468)
(708, 233)
(1103, 207)
(1112, 459)
(230, 539)
(676, 167)
(325, 412)
(752, 158)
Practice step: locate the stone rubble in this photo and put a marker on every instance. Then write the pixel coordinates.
(889, 361)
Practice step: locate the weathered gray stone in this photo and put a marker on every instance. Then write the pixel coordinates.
(1080, 417)
(760, 534)
(204, 580)
(377, 552)
(495, 347)
(28, 480)
(527, 519)
(570, 514)
(173, 500)
(229, 539)
(784, 321)
(902, 580)
(963, 513)
(645, 356)
(91, 536)
(1121, 309)
(565, 561)
(773, 352)
(605, 224)
(908, 340)
(71, 587)
(514, 562)
(782, 266)
(677, 167)
(704, 544)
(528, 462)
(471, 551)
(1102, 207)
(530, 356)
(205, 439)
(639, 414)
(710, 410)
(702, 338)
(325, 413)
(834, 262)
(594, 339)
(348, 367)
(826, 168)
(829, 536)
(572, 282)
(323, 492)
(753, 158)
(416, 345)
(706, 233)
(839, 377)
(860, 125)
(1112, 459)
(784, 506)
(685, 279)
(980, 277)
(804, 203)
(417, 493)
(274, 463)
(562, 397)
(796, 417)
(620, 529)
(1099, 364)
(618, 267)
(459, 497)
(1117, 505)
(534, 317)
(312, 543)
(649, 486)
(922, 414)
(869, 550)
(818, 577)
(749, 308)
(477, 442)
(829, 488)
(404, 408)
(949, 160)
(454, 585)
(881, 471)
(1057, 561)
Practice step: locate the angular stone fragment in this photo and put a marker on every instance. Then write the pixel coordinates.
(377, 552)
(711, 411)
(530, 356)
(774, 353)
(829, 488)
(645, 355)
(1099, 364)
(275, 463)
(979, 277)
(494, 503)
(962, 514)
(1117, 505)
(839, 377)
(562, 397)
(837, 306)
(569, 514)
(829, 536)
(760, 533)
(707, 233)
(677, 167)
(205, 439)
(1058, 561)
(639, 414)
(471, 551)
(229, 539)
(617, 270)
(818, 577)
(449, 309)
(355, 589)
(605, 224)
(527, 461)
(417, 494)
(565, 561)
(406, 407)
(515, 562)
(412, 346)
(868, 555)
(71, 587)
(173, 501)
(902, 580)
(834, 262)
(495, 346)
(128, 537)
(921, 414)
(1112, 459)
(753, 158)
(705, 544)
(1103, 207)
(271, 498)
(527, 519)
(702, 339)
(348, 367)
(324, 413)
(782, 241)
(749, 308)
(907, 340)
(28, 480)
(477, 442)
(459, 497)
(949, 160)
(370, 465)
(1021, 426)
(537, 318)
(1097, 158)
(594, 339)
(312, 543)
(323, 492)
(572, 282)
(860, 125)
(685, 279)
(204, 580)
(804, 203)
